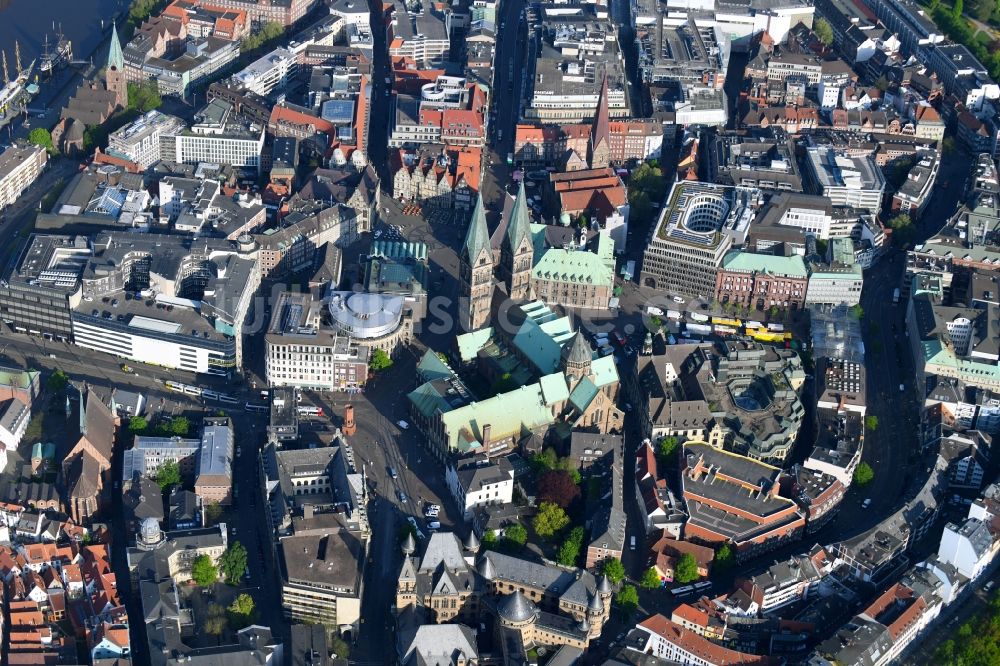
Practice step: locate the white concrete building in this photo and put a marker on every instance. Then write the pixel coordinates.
(835, 284)
(139, 141)
(353, 12)
(14, 419)
(267, 73)
(481, 483)
(846, 180)
(19, 167)
(217, 138)
(968, 547)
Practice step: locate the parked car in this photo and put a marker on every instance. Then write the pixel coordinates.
(403, 424)
(867, 503)
(393, 473)
(402, 497)
(433, 525)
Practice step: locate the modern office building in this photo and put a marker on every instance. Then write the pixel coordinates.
(19, 167)
(302, 351)
(699, 223)
(139, 141)
(268, 73)
(43, 285)
(217, 137)
(846, 180)
(197, 295)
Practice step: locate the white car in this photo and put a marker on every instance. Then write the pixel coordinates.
(867, 503)
(403, 424)
(678, 299)
(433, 525)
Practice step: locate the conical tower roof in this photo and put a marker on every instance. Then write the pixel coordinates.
(516, 607)
(486, 569)
(471, 541)
(603, 585)
(116, 58)
(409, 544)
(578, 351)
(584, 626)
(518, 227)
(601, 131)
(596, 603)
(477, 238)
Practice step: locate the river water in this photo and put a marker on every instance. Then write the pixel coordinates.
(29, 21)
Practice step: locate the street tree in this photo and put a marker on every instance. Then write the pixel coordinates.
(203, 571)
(614, 570)
(57, 382)
(233, 563)
(724, 559)
(863, 475)
(242, 611)
(650, 579)
(686, 569)
(379, 360)
(871, 422)
(42, 137)
(550, 520)
(627, 600)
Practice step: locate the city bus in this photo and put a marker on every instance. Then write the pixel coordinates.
(256, 409)
(310, 410)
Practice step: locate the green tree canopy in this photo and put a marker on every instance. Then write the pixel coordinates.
(550, 520)
(137, 425)
(57, 382)
(268, 32)
(339, 647)
(233, 563)
(168, 475)
(242, 611)
(514, 537)
(614, 570)
(489, 540)
(215, 620)
(180, 426)
(569, 551)
(823, 31)
(380, 360)
(203, 571)
(724, 559)
(213, 513)
(871, 422)
(863, 475)
(143, 97)
(650, 579)
(42, 137)
(627, 600)
(686, 569)
(667, 449)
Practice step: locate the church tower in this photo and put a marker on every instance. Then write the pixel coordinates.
(114, 73)
(576, 359)
(475, 272)
(517, 252)
(600, 133)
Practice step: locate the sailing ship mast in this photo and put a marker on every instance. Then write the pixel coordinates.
(6, 76)
(17, 56)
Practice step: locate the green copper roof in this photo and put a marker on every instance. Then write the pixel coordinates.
(477, 238)
(431, 367)
(765, 263)
(508, 415)
(519, 226)
(20, 379)
(469, 344)
(581, 266)
(542, 343)
(115, 57)
(583, 394)
(554, 388)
